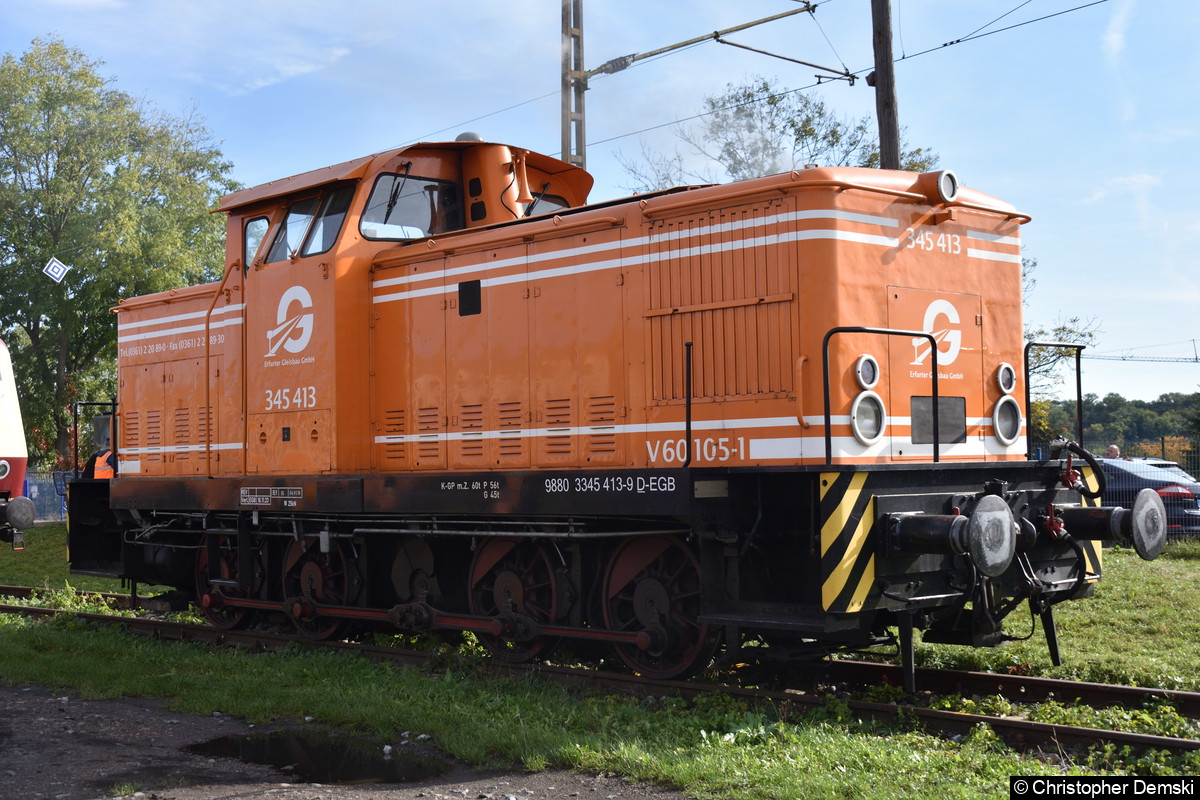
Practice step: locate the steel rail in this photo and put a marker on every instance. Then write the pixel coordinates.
(1019, 688)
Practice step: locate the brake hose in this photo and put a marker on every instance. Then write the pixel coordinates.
(1080, 485)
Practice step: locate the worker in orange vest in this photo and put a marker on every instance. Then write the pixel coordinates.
(103, 466)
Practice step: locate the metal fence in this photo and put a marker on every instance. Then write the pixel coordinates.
(1183, 452)
(1187, 456)
(48, 491)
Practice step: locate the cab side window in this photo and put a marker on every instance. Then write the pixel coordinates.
(329, 221)
(288, 240)
(255, 232)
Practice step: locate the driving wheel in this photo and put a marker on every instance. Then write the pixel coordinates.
(511, 580)
(652, 586)
(211, 597)
(312, 578)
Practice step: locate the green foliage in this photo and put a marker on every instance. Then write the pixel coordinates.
(117, 190)
(1113, 419)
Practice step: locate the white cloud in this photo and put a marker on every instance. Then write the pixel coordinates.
(271, 67)
(1113, 44)
(1138, 184)
(1114, 34)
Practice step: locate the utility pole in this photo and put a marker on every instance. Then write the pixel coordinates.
(884, 82)
(574, 83)
(575, 77)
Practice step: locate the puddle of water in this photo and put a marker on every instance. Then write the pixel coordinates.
(323, 758)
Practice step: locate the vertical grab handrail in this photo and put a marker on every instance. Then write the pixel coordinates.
(687, 405)
(885, 332)
(1078, 348)
(209, 426)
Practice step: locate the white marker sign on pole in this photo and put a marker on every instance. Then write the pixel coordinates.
(56, 270)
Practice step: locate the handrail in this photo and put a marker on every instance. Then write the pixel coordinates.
(687, 408)
(209, 433)
(112, 444)
(651, 209)
(1078, 348)
(886, 332)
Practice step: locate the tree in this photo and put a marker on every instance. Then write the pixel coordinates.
(1140, 427)
(114, 188)
(757, 129)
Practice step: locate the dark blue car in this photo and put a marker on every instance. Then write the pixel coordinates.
(1180, 492)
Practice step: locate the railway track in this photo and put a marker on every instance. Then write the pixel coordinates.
(1018, 732)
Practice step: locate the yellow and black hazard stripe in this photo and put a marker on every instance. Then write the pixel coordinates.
(847, 558)
(1092, 550)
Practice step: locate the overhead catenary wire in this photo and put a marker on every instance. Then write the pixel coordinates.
(962, 40)
(978, 33)
(1126, 353)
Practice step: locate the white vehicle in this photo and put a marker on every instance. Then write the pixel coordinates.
(17, 512)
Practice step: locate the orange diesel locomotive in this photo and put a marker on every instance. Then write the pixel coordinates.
(435, 389)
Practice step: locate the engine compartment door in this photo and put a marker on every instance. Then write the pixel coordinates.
(956, 323)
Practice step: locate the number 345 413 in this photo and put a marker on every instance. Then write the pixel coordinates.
(293, 397)
(949, 243)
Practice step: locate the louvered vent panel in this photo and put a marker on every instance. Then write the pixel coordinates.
(602, 413)
(131, 429)
(182, 434)
(471, 421)
(558, 426)
(429, 424)
(511, 418)
(735, 304)
(395, 424)
(154, 436)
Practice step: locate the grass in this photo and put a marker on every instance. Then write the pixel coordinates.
(43, 563)
(713, 747)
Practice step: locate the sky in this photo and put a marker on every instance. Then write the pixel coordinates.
(1084, 114)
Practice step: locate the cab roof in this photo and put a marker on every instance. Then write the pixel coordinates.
(358, 167)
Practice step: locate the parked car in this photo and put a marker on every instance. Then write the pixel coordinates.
(1180, 492)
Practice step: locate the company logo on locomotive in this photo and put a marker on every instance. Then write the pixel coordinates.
(949, 334)
(293, 331)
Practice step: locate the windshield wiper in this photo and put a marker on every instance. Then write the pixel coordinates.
(397, 186)
(537, 198)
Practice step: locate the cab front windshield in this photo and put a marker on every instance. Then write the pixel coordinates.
(404, 206)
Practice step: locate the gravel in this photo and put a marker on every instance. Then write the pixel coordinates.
(57, 747)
